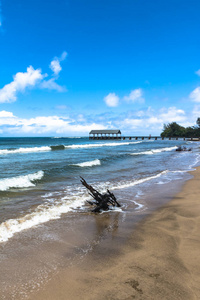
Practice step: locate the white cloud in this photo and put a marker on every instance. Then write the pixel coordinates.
(111, 100)
(55, 66)
(195, 95)
(6, 114)
(55, 63)
(133, 123)
(150, 121)
(20, 82)
(172, 114)
(44, 125)
(52, 85)
(134, 96)
(32, 78)
(198, 72)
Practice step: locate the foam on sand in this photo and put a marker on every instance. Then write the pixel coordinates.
(42, 214)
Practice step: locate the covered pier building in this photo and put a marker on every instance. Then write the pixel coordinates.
(114, 134)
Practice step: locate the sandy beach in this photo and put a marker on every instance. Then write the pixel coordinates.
(160, 259)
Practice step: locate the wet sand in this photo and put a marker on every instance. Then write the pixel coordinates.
(159, 260)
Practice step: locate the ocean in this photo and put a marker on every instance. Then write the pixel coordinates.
(40, 177)
(46, 225)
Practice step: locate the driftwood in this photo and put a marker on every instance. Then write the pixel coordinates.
(101, 201)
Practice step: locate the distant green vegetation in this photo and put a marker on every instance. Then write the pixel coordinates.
(175, 130)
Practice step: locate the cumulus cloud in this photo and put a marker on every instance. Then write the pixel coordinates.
(134, 96)
(55, 63)
(55, 67)
(44, 125)
(172, 114)
(146, 122)
(20, 82)
(111, 100)
(151, 121)
(6, 114)
(32, 78)
(195, 95)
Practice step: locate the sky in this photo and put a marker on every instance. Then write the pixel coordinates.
(70, 66)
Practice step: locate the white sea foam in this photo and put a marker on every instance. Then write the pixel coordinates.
(91, 163)
(20, 181)
(139, 205)
(50, 210)
(42, 214)
(25, 150)
(100, 145)
(154, 151)
(136, 182)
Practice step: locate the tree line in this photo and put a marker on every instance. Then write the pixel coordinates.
(175, 130)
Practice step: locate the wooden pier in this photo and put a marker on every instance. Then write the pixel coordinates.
(116, 135)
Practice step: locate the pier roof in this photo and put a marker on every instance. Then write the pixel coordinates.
(107, 131)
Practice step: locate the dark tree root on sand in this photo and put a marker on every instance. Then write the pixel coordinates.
(101, 201)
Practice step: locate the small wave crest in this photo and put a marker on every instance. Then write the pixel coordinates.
(100, 145)
(91, 163)
(24, 150)
(154, 151)
(20, 181)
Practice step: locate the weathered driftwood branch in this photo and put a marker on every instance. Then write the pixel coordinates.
(101, 201)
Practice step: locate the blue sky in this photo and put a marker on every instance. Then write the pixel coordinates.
(69, 66)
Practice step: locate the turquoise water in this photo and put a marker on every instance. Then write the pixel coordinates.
(39, 177)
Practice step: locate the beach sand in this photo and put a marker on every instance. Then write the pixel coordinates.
(159, 260)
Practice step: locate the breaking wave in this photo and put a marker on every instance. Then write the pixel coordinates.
(91, 163)
(25, 150)
(42, 214)
(100, 145)
(129, 183)
(154, 151)
(20, 181)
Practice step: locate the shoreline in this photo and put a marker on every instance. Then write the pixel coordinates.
(159, 260)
